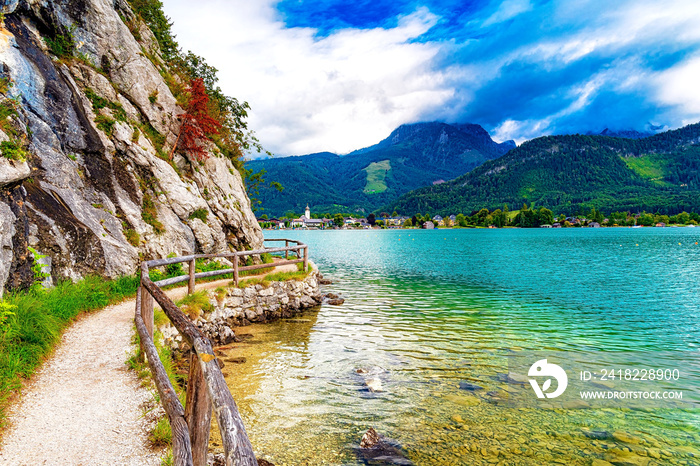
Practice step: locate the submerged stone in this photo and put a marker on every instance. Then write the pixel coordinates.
(470, 387)
(376, 449)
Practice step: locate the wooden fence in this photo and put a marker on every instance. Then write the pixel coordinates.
(206, 387)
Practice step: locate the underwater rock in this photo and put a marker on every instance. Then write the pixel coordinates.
(511, 378)
(470, 387)
(238, 360)
(596, 434)
(374, 385)
(376, 449)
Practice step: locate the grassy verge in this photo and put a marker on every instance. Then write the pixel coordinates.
(160, 435)
(31, 332)
(265, 281)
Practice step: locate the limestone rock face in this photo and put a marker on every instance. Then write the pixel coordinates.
(99, 198)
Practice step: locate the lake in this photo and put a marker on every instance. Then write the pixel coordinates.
(428, 311)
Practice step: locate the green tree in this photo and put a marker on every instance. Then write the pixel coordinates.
(499, 218)
(338, 220)
(407, 223)
(645, 219)
(461, 220)
(683, 218)
(481, 217)
(544, 217)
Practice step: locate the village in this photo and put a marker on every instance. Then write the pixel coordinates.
(480, 219)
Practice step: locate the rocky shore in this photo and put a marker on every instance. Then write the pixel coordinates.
(240, 306)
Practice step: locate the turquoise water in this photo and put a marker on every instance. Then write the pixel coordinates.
(426, 310)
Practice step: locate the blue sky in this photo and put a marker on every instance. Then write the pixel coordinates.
(337, 75)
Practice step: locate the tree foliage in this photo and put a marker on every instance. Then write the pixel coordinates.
(197, 125)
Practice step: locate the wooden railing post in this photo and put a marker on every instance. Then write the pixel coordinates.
(198, 412)
(190, 285)
(306, 258)
(286, 253)
(235, 270)
(147, 316)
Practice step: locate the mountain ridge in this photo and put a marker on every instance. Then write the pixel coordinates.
(413, 155)
(571, 172)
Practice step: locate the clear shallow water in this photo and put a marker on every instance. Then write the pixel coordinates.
(426, 310)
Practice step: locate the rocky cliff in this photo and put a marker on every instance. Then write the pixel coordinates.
(85, 172)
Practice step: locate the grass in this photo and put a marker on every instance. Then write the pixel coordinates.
(265, 281)
(161, 435)
(63, 45)
(100, 102)
(157, 139)
(29, 335)
(193, 304)
(133, 237)
(376, 177)
(651, 167)
(266, 259)
(149, 214)
(201, 214)
(105, 124)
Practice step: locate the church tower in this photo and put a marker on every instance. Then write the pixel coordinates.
(307, 213)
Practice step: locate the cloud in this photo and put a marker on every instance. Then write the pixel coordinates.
(333, 75)
(340, 92)
(579, 66)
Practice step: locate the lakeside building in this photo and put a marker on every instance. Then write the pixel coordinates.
(305, 221)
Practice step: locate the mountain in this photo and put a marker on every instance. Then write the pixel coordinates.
(85, 133)
(567, 173)
(625, 133)
(413, 156)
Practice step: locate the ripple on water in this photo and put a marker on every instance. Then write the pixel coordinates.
(422, 319)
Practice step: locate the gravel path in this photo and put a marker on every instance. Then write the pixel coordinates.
(84, 407)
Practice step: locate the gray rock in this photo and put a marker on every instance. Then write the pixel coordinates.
(86, 185)
(7, 231)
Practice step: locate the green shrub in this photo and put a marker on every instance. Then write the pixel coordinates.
(38, 269)
(193, 304)
(6, 310)
(13, 151)
(105, 124)
(150, 215)
(174, 270)
(63, 45)
(201, 214)
(133, 237)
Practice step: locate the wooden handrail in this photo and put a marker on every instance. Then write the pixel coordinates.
(206, 385)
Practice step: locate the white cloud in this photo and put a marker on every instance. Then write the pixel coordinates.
(507, 10)
(308, 94)
(678, 87)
